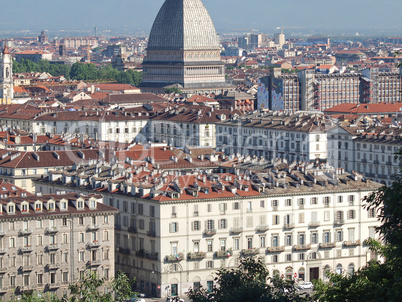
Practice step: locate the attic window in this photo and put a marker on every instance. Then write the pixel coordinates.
(38, 207)
(25, 207)
(63, 205)
(3, 188)
(14, 188)
(11, 209)
(80, 204)
(50, 206)
(92, 204)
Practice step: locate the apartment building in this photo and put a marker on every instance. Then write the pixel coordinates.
(19, 168)
(381, 87)
(273, 135)
(365, 145)
(175, 229)
(49, 241)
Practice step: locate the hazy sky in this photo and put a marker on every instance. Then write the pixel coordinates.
(265, 15)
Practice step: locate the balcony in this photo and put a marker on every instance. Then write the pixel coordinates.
(132, 230)
(93, 245)
(262, 228)
(3, 270)
(275, 249)
(289, 226)
(351, 243)
(94, 262)
(327, 245)
(314, 224)
(223, 254)
(174, 258)
(52, 247)
(302, 247)
(3, 250)
(236, 230)
(196, 256)
(51, 230)
(125, 251)
(339, 222)
(93, 227)
(26, 268)
(151, 234)
(250, 252)
(52, 266)
(151, 256)
(209, 232)
(26, 249)
(53, 285)
(140, 253)
(25, 232)
(2, 233)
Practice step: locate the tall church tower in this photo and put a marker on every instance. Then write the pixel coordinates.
(6, 76)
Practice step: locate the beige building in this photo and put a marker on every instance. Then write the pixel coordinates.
(49, 241)
(20, 168)
(174, 231)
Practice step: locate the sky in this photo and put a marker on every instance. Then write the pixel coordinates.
(129, 16)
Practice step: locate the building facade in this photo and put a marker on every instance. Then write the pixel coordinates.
(50, 241)
(174, 231)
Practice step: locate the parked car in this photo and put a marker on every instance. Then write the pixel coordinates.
(174, 299)
(306, 285)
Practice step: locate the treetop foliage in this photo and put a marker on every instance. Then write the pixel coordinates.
(80, 71)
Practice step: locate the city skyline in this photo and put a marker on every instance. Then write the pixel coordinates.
(136, 16)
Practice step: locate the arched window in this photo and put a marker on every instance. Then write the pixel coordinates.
(327, 269)
(339, 269)
(351, 269)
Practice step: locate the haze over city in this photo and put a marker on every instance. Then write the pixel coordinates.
(367, 17)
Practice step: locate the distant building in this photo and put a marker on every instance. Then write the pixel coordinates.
(182, 53)
(33, 55)
(43, 38)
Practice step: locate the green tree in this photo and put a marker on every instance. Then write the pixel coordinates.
(89, 289)
(249, 282)
(378, 281)
(173, 90)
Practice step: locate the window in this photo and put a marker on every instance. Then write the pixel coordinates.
(81, 237)
(371, 213)
(313, 200)
(81, 256)
(236, 206)
(262, 204)
(275, 219)
(196, 225)
(209, 224)
(236, 243)
(39, 240)
(339, 235)
(288, 239)
(314, 237)
(249, 221)
(222, 224)
(174, 227)
(250, 242)
(262, 241)
(275, 240)
(39, 278)
(223, 244)
(288, 257)
(327, 201)
(288, 202)
(209, 245)
(340, 199)
(351, 214)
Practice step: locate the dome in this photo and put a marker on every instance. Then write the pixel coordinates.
(183, 25)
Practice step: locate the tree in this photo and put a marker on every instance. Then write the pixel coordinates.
(89, 289)
(377, 281)
(249, 282)
(175, 90)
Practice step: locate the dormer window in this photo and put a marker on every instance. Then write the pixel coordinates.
(92, 204)
(11, 209)
(38, 207)
(25, 207)
(63, 205)
(50, 206)
(80, 204)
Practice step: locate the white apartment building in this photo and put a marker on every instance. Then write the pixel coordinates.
(175, 230)
(366, 146)
(47, 242)
(273, 135)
